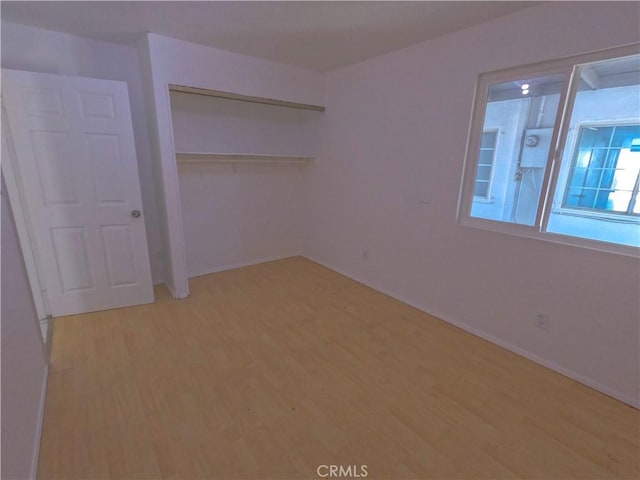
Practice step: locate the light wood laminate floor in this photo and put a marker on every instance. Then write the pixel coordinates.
(269, 371)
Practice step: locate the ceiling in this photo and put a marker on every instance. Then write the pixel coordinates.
(318, 35)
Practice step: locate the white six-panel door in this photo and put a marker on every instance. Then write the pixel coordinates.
(73, 147)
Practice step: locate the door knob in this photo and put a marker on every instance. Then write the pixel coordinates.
(135, 213)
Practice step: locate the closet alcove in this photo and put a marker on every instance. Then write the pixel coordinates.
(241, 162)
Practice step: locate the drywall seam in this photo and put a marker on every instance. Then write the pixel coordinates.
(612, 392)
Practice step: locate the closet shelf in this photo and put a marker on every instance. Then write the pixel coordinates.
(206, 157)
(244, 98)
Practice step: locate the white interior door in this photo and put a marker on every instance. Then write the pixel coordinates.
(75, 163)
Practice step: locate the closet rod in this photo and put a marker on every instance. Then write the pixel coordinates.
(244, 98)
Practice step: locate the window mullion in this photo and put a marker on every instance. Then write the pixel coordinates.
(561, 131)
(634, 195)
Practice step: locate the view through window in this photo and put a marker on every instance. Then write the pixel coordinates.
(591, 190)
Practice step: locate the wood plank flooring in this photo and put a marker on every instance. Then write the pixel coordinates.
(269, 371)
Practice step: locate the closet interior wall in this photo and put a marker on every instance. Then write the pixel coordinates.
(238, 209)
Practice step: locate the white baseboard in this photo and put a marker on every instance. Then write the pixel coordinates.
(44, 327)
(233, 266)
(48, 344)
(612, 392)
(39, 424)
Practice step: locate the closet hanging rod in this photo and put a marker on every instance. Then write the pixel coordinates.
(244, 98)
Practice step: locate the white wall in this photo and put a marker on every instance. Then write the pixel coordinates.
(388, 180)
(45, 51)
(23, 359)
(167, 61)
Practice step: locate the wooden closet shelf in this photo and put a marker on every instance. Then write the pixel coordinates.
(244, 98)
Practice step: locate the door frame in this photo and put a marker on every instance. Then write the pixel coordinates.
(11, 173)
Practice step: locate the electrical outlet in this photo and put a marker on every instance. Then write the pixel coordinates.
(542, 320)
(365, 254)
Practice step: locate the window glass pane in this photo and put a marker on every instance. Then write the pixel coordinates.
(488, 140)
(584, 158)
(521, 116)
(613, 157)
(619, 201)
(593, 137)
(481, 189)
(624, 178)
(624, 135)
(598, 179)
(486, 157)
(484, 173)
(574, 196)
(578, 178)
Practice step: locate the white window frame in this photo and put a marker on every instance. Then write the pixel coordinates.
(570, 68)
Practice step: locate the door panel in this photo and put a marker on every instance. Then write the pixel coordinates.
(76, 161)
(97, 105)
(119, 252)
(108, 168)
(54, 162)
(43, 101)
(70, 252)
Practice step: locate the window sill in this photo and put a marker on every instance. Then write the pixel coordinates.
(532, 232)
(607, 217)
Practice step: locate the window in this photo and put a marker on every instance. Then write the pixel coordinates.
(554, 151)
(605, 171)
(484, 173)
